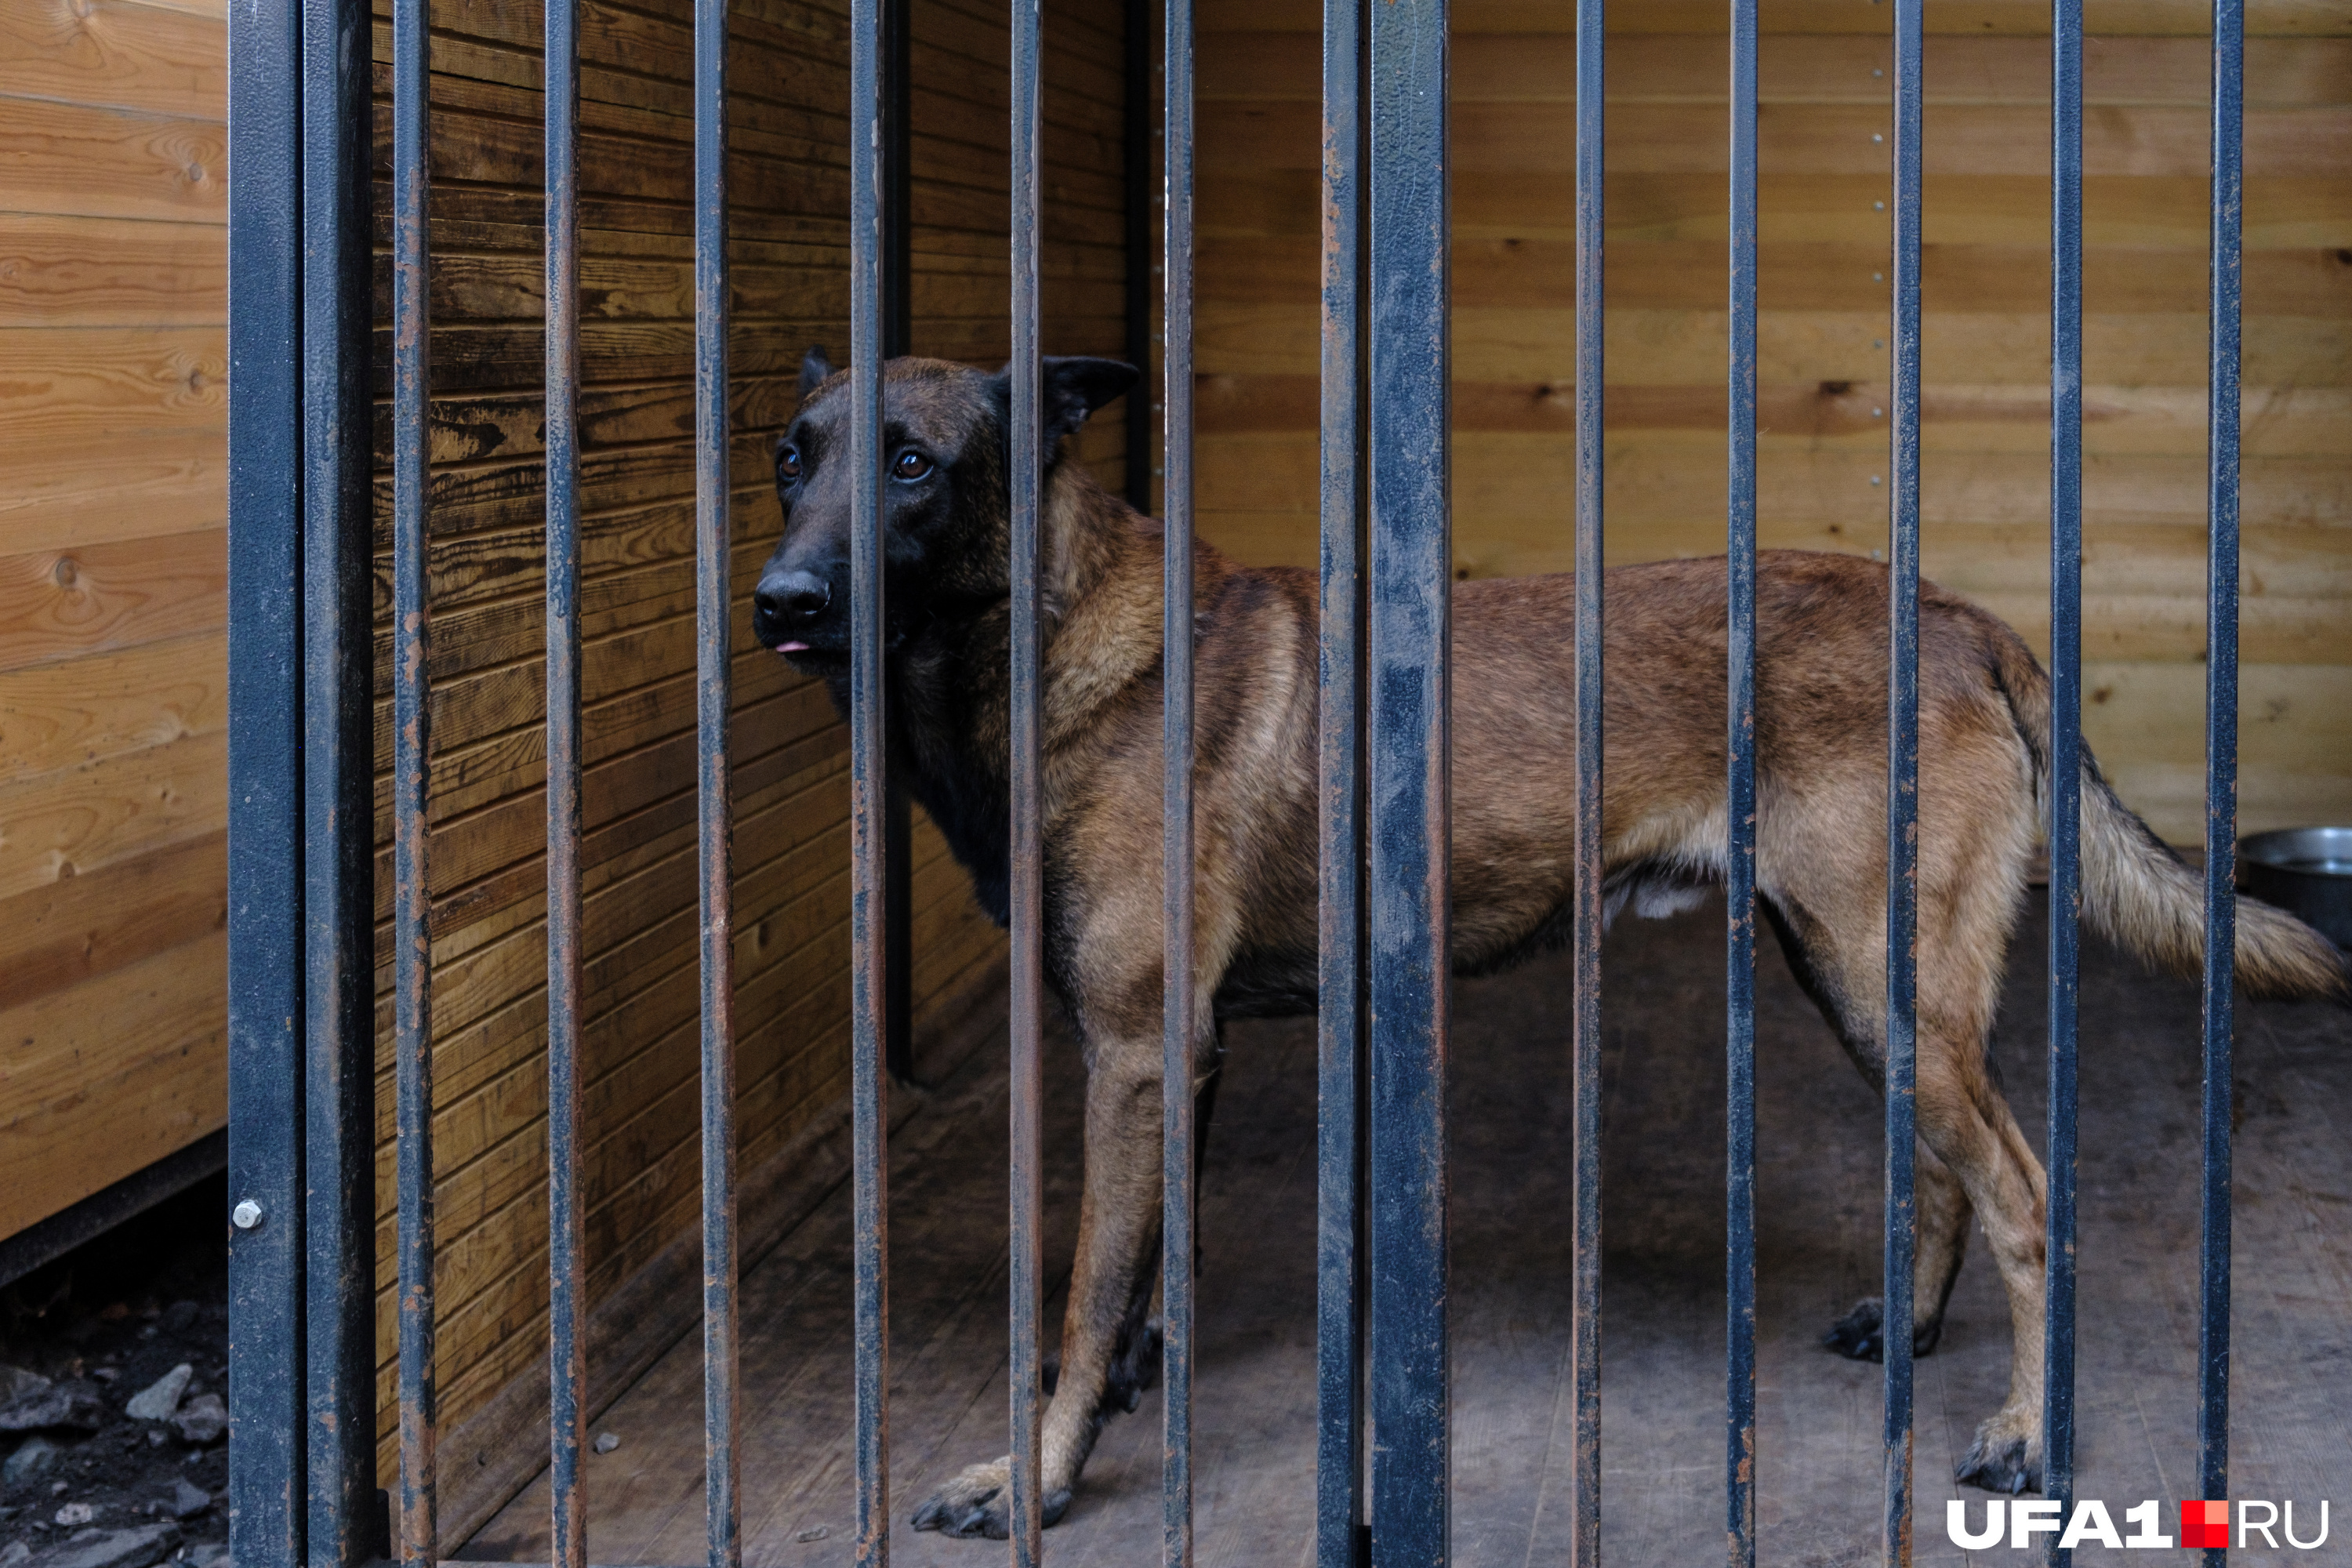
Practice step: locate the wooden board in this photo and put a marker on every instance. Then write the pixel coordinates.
(113, 419)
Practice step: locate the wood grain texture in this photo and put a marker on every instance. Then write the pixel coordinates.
(113, 422)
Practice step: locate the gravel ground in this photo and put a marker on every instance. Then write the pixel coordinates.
(94, 1475)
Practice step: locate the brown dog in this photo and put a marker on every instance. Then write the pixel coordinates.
(1984, 716)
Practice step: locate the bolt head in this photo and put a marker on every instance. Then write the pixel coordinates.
(246, 1215)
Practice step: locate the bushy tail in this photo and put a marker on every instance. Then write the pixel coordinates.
(2139, 894)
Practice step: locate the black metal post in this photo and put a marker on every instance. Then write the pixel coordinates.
(567, 1306)
(1409, 621)
(714, 689)
(2220, 753)
(1179, 1023)
(1340, 1081)
(1026, 892)
(2065, 745)
(412, 752)
(1739, 819)
(268, 1480)
(1584, 1532)
(338, 762)
(869, 823)
(1902, 795)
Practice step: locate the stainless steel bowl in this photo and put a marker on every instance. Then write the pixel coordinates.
(2306, 871)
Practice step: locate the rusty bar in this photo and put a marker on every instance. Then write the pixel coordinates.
(1739, 824)
(1340, 1081)
(721, 1347)
(897, 310)
(1027, 891)
(870, 931)
(2065, 749)
(566, 1299)
(1179, 1023)
(1409, 622)
(1584, 1518)
(411, 777)
(1902, 797)
(2220, 753)
(338, 1077)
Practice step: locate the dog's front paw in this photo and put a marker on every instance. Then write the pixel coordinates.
(977, 1504)
(2001, 1461)
(1857, 1336)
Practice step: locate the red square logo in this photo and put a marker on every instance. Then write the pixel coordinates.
(2204, 1524)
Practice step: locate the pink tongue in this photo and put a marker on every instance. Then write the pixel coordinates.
(792, 648)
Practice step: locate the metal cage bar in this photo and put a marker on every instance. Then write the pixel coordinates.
(1027, 893)
(1340, 1255)
(1584, 1517)
(1180, 1024)
(1902, 794)
(567, 1306)
(338, 764)
(870, 931)
(266, 827)
(2065, 746)
(419, 1543)
(1408, 621)
(2220, 753)
(1739, 822)
(713, 688)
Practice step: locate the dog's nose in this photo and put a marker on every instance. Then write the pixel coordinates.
(794, 593)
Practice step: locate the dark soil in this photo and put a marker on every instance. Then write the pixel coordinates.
(114, 1316)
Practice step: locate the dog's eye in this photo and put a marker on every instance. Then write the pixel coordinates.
(787, 462)
(909, 465)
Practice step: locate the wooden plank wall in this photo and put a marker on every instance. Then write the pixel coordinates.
(1824, 319)
(789, 99)
(113, 794)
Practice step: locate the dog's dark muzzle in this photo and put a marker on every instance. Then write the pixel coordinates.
(801, 612)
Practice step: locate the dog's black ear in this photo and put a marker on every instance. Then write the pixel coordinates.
(814, 368)
(1075, 387)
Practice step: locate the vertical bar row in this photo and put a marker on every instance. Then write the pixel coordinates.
(411, 753)
(266, 1004)
(1584, 1531)
(338, 1080)
(566, 1300)
(1338, 1014)
(1902, 794)
(1408, 622)
(1179, 1026)
(713, 691)
(2065, 745)
(2220, 753)
(1739, 820)
(1027, 893)
(869, 811)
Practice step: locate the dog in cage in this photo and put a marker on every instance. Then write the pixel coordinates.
(1821, 866)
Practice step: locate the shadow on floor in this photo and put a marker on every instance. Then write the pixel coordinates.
(1819, 1239)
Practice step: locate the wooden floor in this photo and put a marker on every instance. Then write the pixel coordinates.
(1662, 1439)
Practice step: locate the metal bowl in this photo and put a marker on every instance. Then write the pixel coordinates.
(2306, 871)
